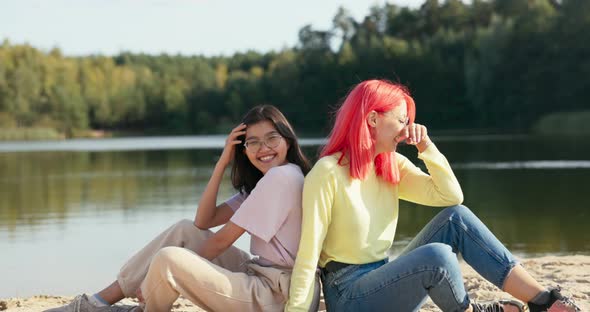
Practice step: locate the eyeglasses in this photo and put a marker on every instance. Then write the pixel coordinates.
(270, 142)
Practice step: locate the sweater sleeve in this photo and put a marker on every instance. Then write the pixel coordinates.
(438, 188)
(318, 197)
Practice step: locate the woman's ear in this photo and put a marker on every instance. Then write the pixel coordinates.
(372, 119)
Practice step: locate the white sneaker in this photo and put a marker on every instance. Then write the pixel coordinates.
(82, 304)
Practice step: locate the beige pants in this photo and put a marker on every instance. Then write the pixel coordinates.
(231, 282)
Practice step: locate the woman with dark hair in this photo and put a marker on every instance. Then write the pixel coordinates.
(189, 260)
(350, 213)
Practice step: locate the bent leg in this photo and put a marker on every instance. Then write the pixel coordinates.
(459, 228)
(178, 271)
(401, 285)
(182, 234)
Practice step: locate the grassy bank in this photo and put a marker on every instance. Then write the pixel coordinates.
(30, 134)
(40, 134)
(563, 123)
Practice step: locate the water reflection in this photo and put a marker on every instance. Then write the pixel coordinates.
(45, 187)
(63, 212)
(530, 191)
(535, 201)
(531, 211)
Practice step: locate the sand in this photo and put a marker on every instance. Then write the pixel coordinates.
(572, 273)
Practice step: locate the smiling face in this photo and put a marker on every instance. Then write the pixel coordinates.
(265, 157)
(387, 127)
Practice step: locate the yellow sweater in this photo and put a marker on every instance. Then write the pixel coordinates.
(354, 221)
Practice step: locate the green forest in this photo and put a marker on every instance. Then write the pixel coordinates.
(483, 66)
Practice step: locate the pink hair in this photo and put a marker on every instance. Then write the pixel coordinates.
(351, 134)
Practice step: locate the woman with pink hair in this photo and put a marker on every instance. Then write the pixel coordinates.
(350, 213)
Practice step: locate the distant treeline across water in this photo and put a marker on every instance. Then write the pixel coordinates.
(498, 64)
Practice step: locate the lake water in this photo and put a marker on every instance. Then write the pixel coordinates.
(72, 212)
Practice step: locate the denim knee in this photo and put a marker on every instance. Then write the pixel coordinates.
(456, 211)
(441, 255)
(459, 210)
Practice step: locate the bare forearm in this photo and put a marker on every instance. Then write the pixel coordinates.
(208, 203)
(220, 241)
(212, 248)
(205, 216)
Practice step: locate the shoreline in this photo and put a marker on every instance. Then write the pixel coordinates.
(571, 272)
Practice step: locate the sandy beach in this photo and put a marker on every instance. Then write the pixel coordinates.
(572, 273)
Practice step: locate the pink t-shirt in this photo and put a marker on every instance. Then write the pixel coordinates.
(272, 215)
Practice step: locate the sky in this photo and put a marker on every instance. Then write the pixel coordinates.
(188, 27)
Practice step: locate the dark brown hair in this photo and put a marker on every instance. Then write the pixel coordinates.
(244, 175)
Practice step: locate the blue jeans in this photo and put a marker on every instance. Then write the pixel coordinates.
(427, 267)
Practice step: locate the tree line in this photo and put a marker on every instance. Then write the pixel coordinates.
(487, 65)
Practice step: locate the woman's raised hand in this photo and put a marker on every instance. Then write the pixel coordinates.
(230, 144)
(414, 134)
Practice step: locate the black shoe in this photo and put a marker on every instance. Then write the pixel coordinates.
(497, 306)
(557, 303)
